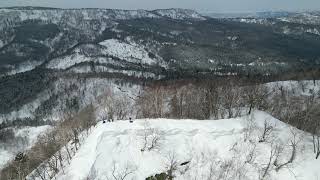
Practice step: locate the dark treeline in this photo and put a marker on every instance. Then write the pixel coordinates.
(296, 105)
(22, 88)
(230, 98)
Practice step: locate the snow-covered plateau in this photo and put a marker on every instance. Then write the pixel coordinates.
(194, 149)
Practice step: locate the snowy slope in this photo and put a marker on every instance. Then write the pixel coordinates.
(125, 51)
(67, 61)
(212, 148)
(24, 138)
(58, 15)
(130, 52)
(180, 14)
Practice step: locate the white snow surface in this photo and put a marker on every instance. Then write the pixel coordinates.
(207, 144)
(179, 14)
(126, 51)
(67, 61)
(131, 52)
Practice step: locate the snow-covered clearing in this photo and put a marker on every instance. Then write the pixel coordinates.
(116, 51)
(24, 138)
(123, 50)
(226, 148)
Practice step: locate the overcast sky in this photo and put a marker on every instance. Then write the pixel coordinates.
(199, 5)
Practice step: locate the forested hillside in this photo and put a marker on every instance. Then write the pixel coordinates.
(64, 71)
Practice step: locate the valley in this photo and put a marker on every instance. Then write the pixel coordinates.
(212, 96)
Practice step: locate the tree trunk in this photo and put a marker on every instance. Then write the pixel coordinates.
(251, 106)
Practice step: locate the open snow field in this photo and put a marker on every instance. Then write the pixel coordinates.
(225, 149)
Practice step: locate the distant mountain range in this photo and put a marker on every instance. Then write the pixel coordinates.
(44, 48)
(264, 14)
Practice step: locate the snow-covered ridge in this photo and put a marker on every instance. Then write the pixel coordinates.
(111, 51)
(266, 14)
(303, 18)
(204, 147)
(179, 14)
(55, 15)
(104, 69)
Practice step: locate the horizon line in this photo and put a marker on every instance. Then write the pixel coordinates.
(146, 9)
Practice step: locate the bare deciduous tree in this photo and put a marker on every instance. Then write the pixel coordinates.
(231, 99)
(273, 153)
(316, 140)
(122, 173)
(152, 102)
(151, 138)
(252, 154)
(294, 145)
(171, 165)
(267, 130)
(255, 96)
